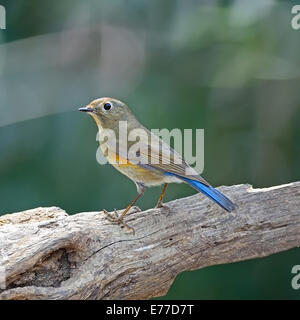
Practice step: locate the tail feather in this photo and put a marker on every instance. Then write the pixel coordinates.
(211, 193)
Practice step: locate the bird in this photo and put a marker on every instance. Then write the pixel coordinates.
(157, 164)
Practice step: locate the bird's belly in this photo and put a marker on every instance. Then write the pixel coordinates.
(139, 174)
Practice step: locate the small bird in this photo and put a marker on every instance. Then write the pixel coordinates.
(158, 163)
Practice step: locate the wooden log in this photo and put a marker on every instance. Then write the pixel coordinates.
(47, 254)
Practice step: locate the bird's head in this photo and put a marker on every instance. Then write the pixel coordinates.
(107, 112)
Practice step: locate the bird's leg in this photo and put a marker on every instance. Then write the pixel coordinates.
(119, 219)
(160, 199)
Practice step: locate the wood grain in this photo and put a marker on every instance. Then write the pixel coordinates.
(47, 254)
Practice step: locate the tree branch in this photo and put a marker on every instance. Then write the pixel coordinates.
(47, 254)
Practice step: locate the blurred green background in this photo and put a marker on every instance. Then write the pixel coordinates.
(230, 67)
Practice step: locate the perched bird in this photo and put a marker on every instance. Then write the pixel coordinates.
(157, 162)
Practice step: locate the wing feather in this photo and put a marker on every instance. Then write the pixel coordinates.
(156, 154)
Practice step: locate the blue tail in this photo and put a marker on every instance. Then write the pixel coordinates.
(210, 192)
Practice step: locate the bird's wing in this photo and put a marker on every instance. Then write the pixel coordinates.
(165, 158)
(155, 154)
(158, 155)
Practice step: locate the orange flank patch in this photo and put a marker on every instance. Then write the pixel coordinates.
(135, 172)
(124, 162)
(114, 158)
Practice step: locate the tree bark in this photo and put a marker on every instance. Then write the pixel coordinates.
(47, 254)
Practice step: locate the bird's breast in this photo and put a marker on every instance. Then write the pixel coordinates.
(133, 171)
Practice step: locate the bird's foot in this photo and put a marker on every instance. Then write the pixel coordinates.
(115, 218)
(135, 209)
(163, 206)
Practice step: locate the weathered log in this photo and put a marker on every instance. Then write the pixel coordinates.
(47, 254)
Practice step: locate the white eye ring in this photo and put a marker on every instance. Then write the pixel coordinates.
(107, 106)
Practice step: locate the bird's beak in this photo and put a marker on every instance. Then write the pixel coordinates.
(85, 109)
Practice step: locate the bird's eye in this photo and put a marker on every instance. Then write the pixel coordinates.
(107, 106)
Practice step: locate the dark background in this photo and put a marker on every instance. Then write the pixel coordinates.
(230, 67)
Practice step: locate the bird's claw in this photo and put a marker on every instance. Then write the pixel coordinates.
(135, 209)
(117, 219)
(163, 206)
